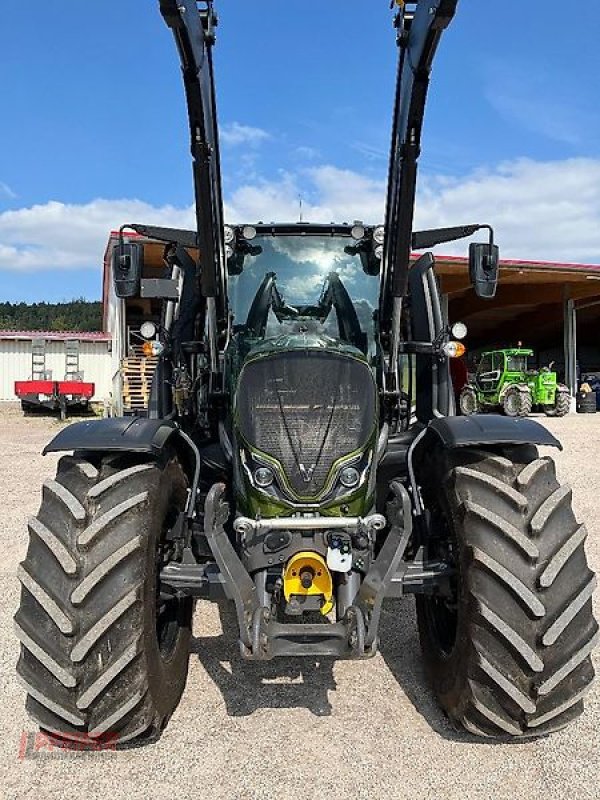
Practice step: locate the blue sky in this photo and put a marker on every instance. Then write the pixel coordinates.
(95, 134)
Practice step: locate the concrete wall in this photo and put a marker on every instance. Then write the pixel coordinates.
(15, 364)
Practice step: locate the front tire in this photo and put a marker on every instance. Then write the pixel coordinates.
(102, 655)
(517, 402)
(509, 654)
(468, 402)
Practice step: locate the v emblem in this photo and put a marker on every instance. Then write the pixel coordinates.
(307, 473)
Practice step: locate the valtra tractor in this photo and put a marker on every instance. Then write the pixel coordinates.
(302, 459)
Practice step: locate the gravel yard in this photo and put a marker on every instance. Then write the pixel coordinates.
(290, 729)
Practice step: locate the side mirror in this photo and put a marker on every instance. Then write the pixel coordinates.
(127, 263)
(483, 268)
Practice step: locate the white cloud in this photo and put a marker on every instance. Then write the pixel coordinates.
(537, 97)
(540, 210)
(235, 134)
(307, 153)
(63, 236)
(7, 191)
(328, 194)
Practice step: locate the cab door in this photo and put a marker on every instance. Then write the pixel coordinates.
(489, 371)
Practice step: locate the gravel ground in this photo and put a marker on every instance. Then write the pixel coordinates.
(291, 728)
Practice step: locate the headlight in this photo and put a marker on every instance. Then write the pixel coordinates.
(150, 349)
(379, 234)
(459, 330)
(454, 349)
(349, 477)
(228, 234)
(263, 477)
(148, 330)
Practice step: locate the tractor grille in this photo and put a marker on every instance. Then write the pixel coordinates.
(306, 409)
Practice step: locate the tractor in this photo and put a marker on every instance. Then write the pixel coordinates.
(504, 381)
(302, 460)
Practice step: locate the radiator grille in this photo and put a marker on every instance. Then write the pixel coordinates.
(306, 409)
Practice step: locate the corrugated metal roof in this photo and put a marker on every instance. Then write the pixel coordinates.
(57, 336)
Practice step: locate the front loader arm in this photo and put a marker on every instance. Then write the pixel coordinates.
(193, 26)
(420, 28)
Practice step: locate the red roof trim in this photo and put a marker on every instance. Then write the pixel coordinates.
(60, 336)
(519, 264)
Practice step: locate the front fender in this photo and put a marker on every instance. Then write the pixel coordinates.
(131, 434)
(488, 429)
(522, 386)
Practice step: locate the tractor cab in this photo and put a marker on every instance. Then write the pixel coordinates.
(499, 367)
(303, 279)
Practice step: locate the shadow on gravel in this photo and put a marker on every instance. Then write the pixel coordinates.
(247, 686)
(400, 649)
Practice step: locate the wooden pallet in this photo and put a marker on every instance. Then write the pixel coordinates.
(137, 371)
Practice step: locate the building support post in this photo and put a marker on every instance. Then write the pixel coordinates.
(570, 347)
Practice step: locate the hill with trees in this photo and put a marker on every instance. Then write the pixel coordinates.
(74, 315)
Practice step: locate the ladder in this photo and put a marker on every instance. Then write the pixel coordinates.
(38, 361)
(72, 372)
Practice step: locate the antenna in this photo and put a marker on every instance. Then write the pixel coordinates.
(300, 207)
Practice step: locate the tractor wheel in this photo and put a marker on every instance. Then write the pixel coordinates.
(508, 653)
(512, 402)
(562, 403)
(526, 403)
(467, 401)
(103, 655)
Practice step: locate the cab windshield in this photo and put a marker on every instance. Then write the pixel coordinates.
(516, 363)
(303, 264)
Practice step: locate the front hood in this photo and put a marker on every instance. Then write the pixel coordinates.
(305, 410)
(303, 341)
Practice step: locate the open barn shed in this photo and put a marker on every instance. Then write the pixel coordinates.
(553, 308)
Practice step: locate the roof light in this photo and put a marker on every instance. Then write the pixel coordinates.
(459, 330)
(228, 234)
(148, 330)
(379, 234)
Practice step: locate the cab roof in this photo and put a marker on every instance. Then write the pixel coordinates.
(510, 351)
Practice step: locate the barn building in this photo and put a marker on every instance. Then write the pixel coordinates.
(30, 354)
(551, 307)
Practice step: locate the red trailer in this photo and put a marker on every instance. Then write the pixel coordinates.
(62, 396)
(40, 391)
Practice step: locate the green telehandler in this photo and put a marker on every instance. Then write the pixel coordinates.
(504, 381)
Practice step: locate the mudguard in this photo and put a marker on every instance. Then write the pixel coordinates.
(489, 429)
(132, 434)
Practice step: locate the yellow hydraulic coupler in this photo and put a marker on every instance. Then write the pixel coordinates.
(307, 574)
